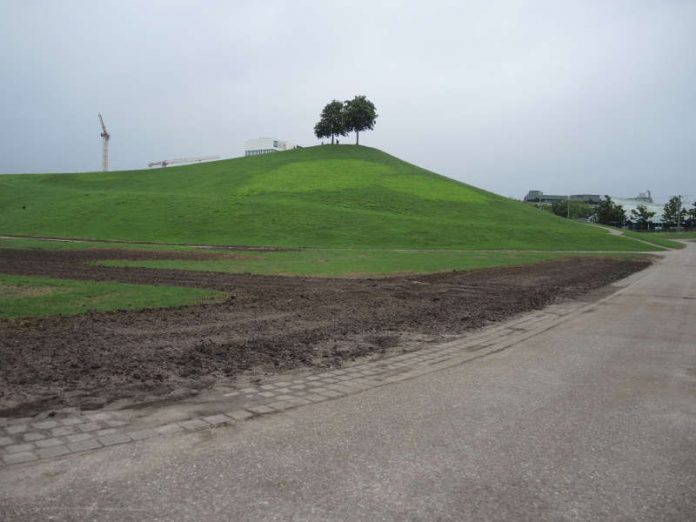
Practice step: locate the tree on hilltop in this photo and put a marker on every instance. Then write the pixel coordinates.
(360, 115)
(332, 121)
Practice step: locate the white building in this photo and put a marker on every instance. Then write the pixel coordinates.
(645, 199)
(266, 146)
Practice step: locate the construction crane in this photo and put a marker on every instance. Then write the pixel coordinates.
(105, 145)
(164, 163)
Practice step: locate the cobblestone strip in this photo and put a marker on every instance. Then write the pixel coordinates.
(32, 439)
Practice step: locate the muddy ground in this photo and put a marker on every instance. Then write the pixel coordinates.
(266, 324)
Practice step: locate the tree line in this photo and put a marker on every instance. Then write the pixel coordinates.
(607, 212)
(340, 118)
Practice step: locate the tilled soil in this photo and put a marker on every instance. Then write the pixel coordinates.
(266, 324)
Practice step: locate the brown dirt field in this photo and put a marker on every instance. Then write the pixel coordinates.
(267, 324)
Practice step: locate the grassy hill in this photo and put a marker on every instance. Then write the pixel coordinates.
(326, 196)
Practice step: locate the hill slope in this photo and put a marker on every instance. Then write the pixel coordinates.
(326, 196)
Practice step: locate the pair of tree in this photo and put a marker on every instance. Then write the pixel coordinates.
(339, 118)
(609, 213)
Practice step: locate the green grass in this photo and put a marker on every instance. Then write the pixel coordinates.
(656, 239)
(325, 197)
(348, 263)
(24, 296)
(671, 235)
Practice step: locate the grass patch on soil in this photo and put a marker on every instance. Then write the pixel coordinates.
(689, 234)
(348, 263)
(322, 197)
(29, 296)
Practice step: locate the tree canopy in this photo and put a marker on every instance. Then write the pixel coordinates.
(577, 210)
(673, 213)
(332, 122)
(360, 115)
(642, 216)
(609, 213)
(339, 118)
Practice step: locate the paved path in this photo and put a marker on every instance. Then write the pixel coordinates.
(586, 412)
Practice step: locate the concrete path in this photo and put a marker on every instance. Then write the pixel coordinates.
(592, 417)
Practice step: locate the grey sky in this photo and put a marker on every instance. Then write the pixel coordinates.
(563, 96)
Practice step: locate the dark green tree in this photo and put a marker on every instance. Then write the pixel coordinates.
(609, 213)
(578, 209)
(332, 122)
(673, 213)
(642, 216)
(360, 115)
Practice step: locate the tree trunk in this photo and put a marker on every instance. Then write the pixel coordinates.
(357, 137)
(332, 139)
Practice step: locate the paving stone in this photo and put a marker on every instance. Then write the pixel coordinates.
(79, 437)
(249, 390)
(282, 383)
(84, 445)
(232, 394)
(4, 441)
(53, 451)
(268, 386)
(143, 434)
(107, 431)
(312, 378)
(16, 428)
(45, 425)
(330, 393)
(300, 402)
(298, 386)
(267, 394)
(89, 426)
(283, 390)
(239, 415)
(285, 397)
(314, 398)
(32, 436)
(281, 405)
(260, 409)
(19, 448)
(64, 430)
(193, 424)
(216, 419)
(48, 443)
(169, 429)
(115, 423)
(115, 438)
(17, 458)
(71, 421)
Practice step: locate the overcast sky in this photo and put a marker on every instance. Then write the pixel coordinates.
(562, 96)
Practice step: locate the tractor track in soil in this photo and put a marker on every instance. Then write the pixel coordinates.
(266, 324)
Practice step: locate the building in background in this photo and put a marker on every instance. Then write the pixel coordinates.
(266, 146)
(645, 199)
(537, 196)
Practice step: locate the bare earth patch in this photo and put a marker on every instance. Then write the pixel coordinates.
(267, 324)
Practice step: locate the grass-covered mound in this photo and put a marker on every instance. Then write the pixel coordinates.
(326, 196)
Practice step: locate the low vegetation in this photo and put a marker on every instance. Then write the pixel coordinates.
(322, 197)
(29, 296)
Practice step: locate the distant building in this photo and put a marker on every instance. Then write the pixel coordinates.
(645, 199)
(537, 196)
(628, 204)
(266, 146)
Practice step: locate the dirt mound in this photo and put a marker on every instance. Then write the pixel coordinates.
(267, 324)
